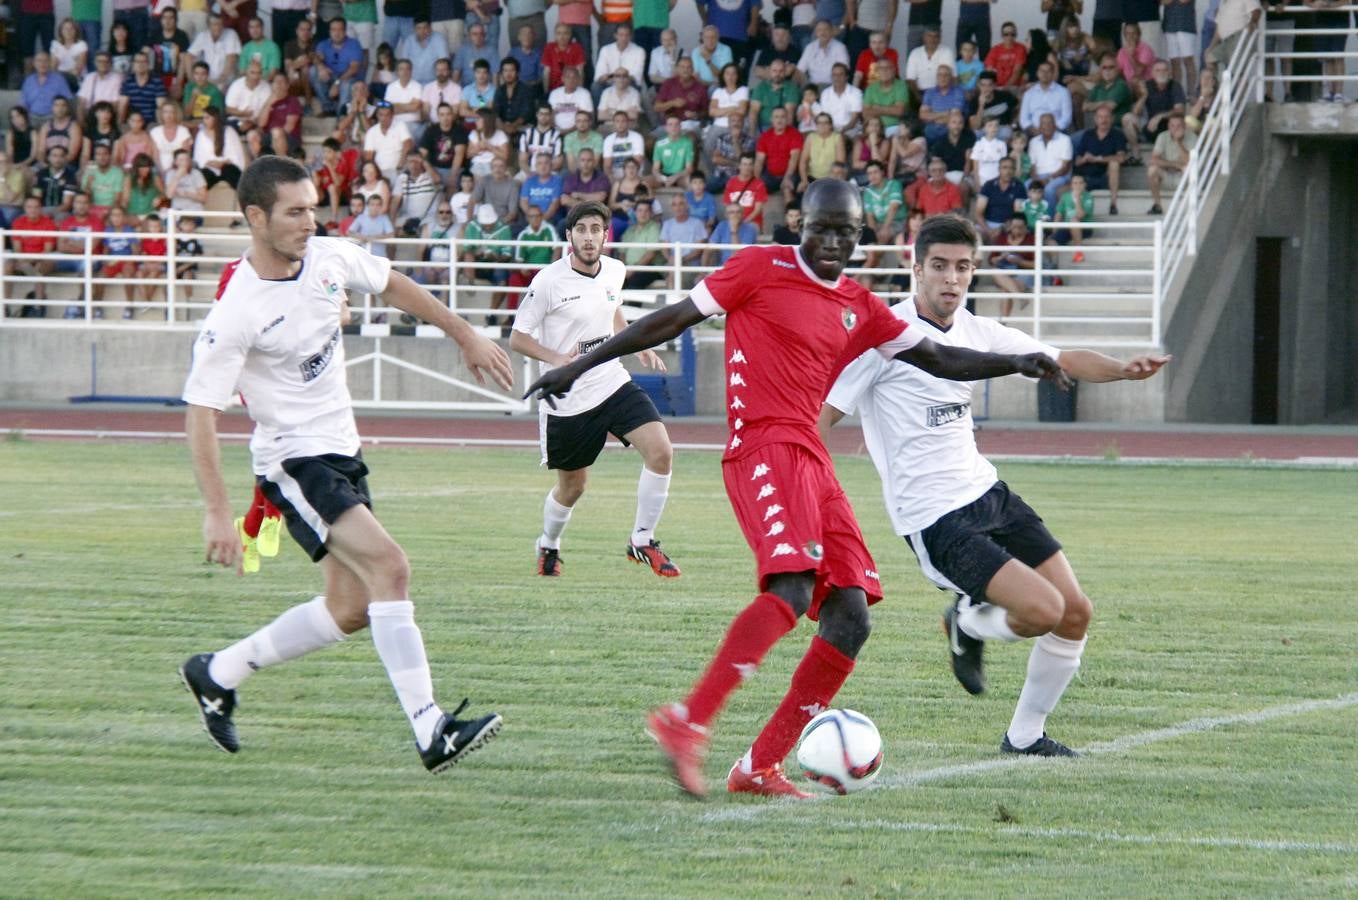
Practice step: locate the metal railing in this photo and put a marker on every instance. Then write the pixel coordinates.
(1274, 75)
(1108, 300)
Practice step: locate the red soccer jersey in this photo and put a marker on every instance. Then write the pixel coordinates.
(777, 149)
(788, 336)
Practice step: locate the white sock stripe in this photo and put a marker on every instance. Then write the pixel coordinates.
(1059, 646)
(292, 492)
(391, 609)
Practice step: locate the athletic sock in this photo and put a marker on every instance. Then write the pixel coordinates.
(255, 515)
(652, 492)
(1051, 666)
(818, 678)
(986, 622)
(750, 635)
(401, 647)
(306, 627)
(554, 519)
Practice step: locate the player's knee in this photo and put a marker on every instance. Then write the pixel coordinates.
(845, 621)
(1078, 612)
(660, 458)
(1047, 610)
(393, 574)
(794, 589)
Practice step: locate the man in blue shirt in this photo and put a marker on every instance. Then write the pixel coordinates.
(999, 199)
(1047, 96)
(423, 49)
(141, 91)
(543, 190)
(42, 86)
(737, 25)
(340, 65)
(731, 230)
(681, 228)
(938, 102)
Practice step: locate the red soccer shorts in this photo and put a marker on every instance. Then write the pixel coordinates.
(796, 518)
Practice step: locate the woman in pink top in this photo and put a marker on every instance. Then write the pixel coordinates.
(1135, 58)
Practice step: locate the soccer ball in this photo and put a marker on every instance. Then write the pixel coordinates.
(841, 750)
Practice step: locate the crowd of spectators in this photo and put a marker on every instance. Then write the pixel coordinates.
(431, 130)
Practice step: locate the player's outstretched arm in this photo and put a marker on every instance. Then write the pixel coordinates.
(648, 331)
(1090, 365)
(219, 533)
(963, 364)
(482, 355)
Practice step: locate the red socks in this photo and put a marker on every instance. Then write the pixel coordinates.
(260, 509)
(757, 628)
(818, 678)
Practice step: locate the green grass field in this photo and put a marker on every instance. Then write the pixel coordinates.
(1219, 593)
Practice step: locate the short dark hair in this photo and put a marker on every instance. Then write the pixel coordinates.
(259, 185)
(332, 144)
(586, 210)
(987, 73)
(943, 229)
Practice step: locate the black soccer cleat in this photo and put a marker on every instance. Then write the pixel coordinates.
(455, 738)
(965, 652)
(1043, 746)
(215, 703)
(549, 561)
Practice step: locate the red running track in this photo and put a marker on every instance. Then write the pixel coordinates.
(1073, 440)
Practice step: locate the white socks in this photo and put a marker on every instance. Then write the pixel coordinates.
(399, 643)
(1051, 666)
(985, 622)
(295, 633)
(554, 519)
(652, 492)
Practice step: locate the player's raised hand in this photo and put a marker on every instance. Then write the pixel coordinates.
(223, 541)
(1040, 365)
(485, 357)
(651, 360)
(553, 384)
(1143, 367)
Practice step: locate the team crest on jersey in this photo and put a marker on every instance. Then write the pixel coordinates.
(850, 318)
(612, 295)
(331, 287)
(814, 551)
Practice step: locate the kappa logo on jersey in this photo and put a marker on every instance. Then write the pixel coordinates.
(775, 529)
(772, 511)
(317, 363)
(945, 413)
(737, 380)
(814, 551)
(737, 424)
(850, 319)
(872, 573)
(272, 325)
(765, 492)
(737, 357)
(735, 442)
(783, 550)
(783, 265)
(737, 403)
(759, 472)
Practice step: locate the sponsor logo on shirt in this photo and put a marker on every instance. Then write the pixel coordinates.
(313, 366)
(208, 336)
(569, 299)
(585, 346)
(945, 413)
(272, 325)
(785, 265)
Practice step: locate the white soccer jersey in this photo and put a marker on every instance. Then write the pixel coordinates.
(279, 344)
(573, 313)
(918, 428)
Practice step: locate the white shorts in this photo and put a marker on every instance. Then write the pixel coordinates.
(1181, 45)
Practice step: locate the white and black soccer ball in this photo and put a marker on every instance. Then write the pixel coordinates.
(841, 750)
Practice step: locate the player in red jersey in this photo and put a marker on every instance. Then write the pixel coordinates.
(794, 322)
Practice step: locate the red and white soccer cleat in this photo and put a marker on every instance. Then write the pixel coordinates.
(650, 554)
(770, 782)
(684, 743)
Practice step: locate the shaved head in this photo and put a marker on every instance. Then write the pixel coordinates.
(832, 212)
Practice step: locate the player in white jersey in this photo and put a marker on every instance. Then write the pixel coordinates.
(572, 306)
(274, 335)
(972, 535)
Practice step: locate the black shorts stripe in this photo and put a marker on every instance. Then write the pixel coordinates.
(312, 492)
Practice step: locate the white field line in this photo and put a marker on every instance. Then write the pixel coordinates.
(896, 781)
(1318, 462)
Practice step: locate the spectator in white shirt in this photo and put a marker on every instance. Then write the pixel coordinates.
(1052, 154)
(661, 67)
(406, 96)
(921, 66)
(819, 57)
(219, 47)
(387, 143)
(843, 102)
(569, 99)
(246, 97)
(620, 97)
(623, 144)
(621, 54)
(443, 89)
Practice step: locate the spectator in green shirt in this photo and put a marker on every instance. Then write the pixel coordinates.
(540, 231)
(261, 48)
(201, 94)
(1110, 90)
(772, 93)
(646, 230)
(883, 203)
(888, 97)
(672, 158)
(1075, 205)
(582, 137)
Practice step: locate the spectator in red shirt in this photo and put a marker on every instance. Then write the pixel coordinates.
(746, 189)
(1022, 258)
(776, 155)
(153, 253)
(560, 53)
(684, 95)
(32, 220)
(356, 207)
(936, 194)
(877, 49)
(337, 171)
(81, 219)
(1008, 58)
